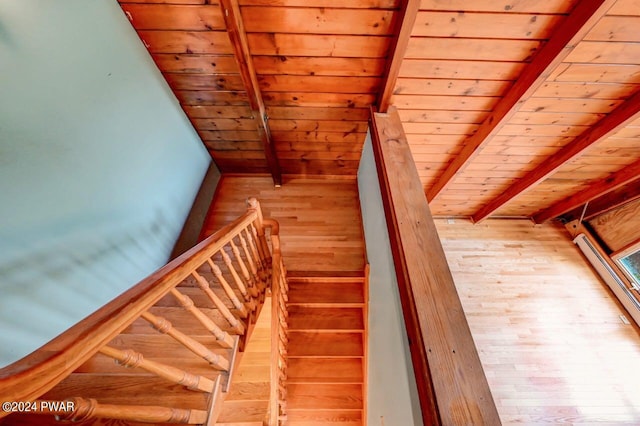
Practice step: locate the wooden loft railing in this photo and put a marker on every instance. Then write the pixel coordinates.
(452, 387)
(217, 287)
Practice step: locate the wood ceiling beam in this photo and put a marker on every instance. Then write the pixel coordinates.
(406, 19)
(605, 202)
(238, 37)
(610, 124)
(601, 187)
(573, 29)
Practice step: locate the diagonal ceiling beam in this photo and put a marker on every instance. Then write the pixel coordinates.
(605, 202)
(406, 19)
(238, 36)
(597, 189)
(573, 29)
(610, 124)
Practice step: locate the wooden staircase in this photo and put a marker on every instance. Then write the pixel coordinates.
(218, 336)
(168, 350)
(327, 344)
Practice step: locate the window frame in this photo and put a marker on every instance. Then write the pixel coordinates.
(617, 257)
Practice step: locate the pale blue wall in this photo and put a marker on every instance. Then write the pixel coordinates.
(98, 165)
(392, 392)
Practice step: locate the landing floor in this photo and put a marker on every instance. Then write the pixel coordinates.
(319, 219)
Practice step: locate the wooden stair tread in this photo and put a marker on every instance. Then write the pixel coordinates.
(248, 391)
(304, 343)
(324, 417)
(324, 396)
(325, 318)
(326, 292)
(325, 370)
(243, 411)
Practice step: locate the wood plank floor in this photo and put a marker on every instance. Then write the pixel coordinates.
(319, 219)
(549, 335)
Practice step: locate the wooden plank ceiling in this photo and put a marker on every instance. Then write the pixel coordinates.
(512, 108)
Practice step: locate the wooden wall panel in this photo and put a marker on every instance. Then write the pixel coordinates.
(330, 66)
(340, 4)
(474, 25)
(319, 68)
(474, 70)
(521, 6)
(582, 90)
(347, 46)
(317, 20)
(620, 227)
(175, 17)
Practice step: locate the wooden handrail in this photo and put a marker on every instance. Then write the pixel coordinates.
(37, 373)
(279, 338)
(80, 409)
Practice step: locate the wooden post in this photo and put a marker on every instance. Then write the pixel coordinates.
(451, 382)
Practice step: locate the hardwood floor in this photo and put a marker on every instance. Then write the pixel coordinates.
(550, 337)
(320, 224)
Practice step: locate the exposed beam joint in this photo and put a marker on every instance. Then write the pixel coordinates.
(406, 19)
(573, 29)
(625, 113)
(603, 186)
(238, 36)
(452, 387)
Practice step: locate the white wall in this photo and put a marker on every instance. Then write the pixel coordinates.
(392, 392)
(98, 165)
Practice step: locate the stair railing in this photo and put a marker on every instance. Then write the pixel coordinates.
(279, 331)
(240, 283)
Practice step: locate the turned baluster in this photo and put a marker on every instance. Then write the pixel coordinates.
(254, 205)
(255, 255)
(252, 263)
(243, 268)
(247, 294)
(224, 339)
(256, 241)
(164, 326)
(81, 409)
(130, 358)
(242, 310)
(236, 324)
